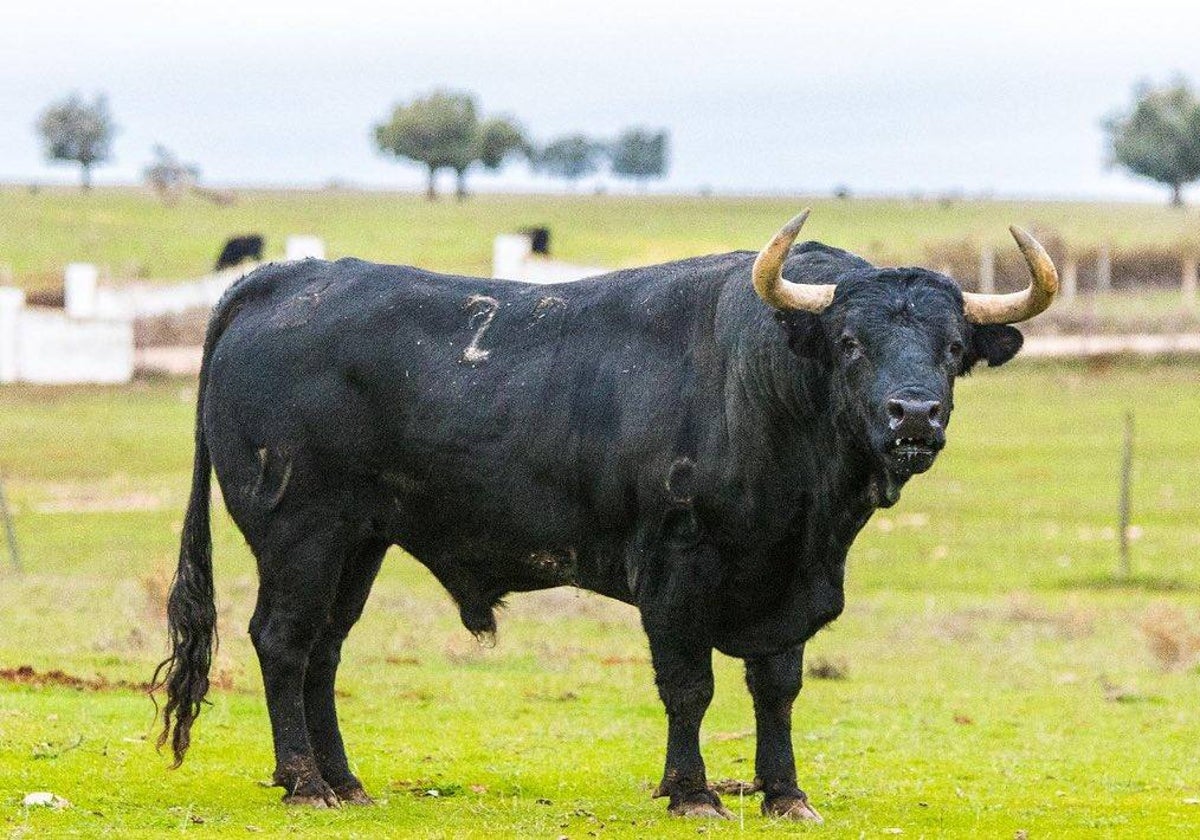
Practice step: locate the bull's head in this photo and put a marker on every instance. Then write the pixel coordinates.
(895, 339)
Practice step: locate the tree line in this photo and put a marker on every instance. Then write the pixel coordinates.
(1157, 138)
(445, 131)
(442, 131)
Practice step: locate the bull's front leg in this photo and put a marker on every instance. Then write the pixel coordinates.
(774, 683)
(683, 674)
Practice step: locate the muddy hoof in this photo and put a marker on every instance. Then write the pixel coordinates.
(791, 808)
(707, 810)
(353, 794)
(698, 804)
(315, 794)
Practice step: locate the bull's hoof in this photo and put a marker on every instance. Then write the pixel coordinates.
(304, 785)
(791, 808)
(353, 794)
(706, 808)
(322, 797)
(695, 803)
(690, 796)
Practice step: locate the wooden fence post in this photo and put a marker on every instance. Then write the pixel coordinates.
(1125, 502)
(1188, 286)
(1103, 269)
(10, 531)
(987, 270)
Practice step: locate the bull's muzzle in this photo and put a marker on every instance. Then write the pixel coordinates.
(916, 433)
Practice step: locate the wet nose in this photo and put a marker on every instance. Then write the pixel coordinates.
(914, 418)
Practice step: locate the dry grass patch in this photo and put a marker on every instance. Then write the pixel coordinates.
(1172, 636)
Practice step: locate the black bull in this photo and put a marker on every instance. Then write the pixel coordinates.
(658, 435)
(238, 249)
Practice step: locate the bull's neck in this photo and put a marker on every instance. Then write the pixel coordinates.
(808, 460)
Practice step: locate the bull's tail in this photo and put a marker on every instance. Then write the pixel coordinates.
(191, 612)
(191, 606)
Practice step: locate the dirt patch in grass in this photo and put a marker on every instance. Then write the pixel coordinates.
(1075, 622)
(100, 497)
(26, 675)
(825, 668)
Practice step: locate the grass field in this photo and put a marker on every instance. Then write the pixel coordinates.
(131, 234)
(996, 678)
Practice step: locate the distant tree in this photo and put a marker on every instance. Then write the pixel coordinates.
(1159, 138)
(168, 176)
(571, 157)
(76, 131)
(443, 131)
(639, 153)
(497, 140)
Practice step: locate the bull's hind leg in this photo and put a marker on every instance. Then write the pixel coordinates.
(297, 586)
(320, 706)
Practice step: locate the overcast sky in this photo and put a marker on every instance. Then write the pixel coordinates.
(895, 97)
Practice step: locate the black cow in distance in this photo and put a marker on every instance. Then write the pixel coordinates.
(238, 249)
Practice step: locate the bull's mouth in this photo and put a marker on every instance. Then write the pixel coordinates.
(908, 456)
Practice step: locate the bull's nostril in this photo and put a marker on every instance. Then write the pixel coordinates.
(935, 410)
(896, 409)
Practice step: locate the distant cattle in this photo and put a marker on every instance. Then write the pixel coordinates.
(539, 239)
(238, 249)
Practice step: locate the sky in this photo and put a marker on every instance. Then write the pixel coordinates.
(924, 96)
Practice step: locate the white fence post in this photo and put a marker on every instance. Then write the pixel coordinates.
(79, 289)
(509, 253)
(303, 247)
(987, 270)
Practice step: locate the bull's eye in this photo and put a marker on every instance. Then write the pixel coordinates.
(851, 347)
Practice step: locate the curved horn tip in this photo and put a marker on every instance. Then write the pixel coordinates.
(798, 220)
(1018, 306)
(1024, 238)
(1043, 269)
(768, 279)
(788, 233)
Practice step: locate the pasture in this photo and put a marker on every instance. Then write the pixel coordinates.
(991, 675)
(131, 234)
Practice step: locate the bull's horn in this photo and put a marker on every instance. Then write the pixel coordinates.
(1017, 306)
(768, 274)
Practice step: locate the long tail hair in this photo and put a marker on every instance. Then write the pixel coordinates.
(191, 606)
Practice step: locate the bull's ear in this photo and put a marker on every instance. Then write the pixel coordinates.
(804, 334)
(993, 343)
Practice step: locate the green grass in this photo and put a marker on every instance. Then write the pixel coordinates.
(997, 678)
(130, 233)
